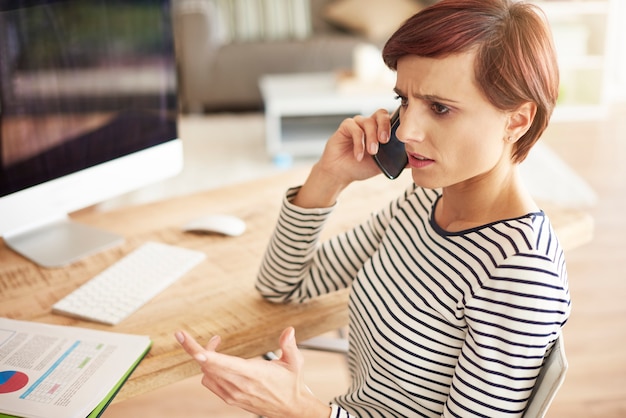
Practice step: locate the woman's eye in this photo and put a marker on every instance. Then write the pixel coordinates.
(403, 100)
(439, 109)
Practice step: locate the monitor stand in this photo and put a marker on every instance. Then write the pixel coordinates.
(61, 242)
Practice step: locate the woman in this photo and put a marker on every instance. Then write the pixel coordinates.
(458, 287)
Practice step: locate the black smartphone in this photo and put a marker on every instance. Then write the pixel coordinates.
(391, 156)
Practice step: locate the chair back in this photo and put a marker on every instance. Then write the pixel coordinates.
(549, 381)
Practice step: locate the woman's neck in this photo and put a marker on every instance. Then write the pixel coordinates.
(483, 200)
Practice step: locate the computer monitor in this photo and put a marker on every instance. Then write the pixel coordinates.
(88, 111)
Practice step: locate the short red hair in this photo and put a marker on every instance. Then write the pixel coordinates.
(515, 62)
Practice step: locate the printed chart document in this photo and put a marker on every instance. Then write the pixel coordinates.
(49, 371)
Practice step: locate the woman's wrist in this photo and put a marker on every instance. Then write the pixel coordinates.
(316, 409)
(320, 190)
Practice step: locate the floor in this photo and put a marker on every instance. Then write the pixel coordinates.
(229, 148)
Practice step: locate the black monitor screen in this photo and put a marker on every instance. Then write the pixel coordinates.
(82, 82)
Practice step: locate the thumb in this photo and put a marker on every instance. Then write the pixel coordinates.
(290, 353)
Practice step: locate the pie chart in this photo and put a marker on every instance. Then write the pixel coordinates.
(12, 381)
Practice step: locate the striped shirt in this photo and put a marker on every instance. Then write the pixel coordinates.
(441, 324)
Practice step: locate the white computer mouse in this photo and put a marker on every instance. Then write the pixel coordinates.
(216, 224)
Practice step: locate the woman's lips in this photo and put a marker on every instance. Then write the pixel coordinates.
(419, 161)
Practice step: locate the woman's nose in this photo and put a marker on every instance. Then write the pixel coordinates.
(411, 127)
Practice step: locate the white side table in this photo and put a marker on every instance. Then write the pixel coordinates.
(303, 110)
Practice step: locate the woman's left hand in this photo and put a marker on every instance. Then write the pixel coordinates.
(267, 388)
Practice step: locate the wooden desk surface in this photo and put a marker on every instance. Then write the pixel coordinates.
(218, 296)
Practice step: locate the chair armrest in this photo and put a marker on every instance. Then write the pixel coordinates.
(335, 345)
(549, 381)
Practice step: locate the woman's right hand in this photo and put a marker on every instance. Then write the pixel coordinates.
(345, 159)
(267, 388)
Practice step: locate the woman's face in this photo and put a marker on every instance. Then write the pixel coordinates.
(453, 135)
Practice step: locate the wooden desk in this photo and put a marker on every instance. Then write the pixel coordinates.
(218, 296)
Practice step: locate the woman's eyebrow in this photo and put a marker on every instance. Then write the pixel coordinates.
(427, 97)
(435, 98)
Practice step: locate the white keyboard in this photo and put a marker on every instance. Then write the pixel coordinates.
(129, 283)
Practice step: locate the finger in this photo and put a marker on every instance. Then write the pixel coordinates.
(189, 344)
(193, 348)
(383, 123)
(213, 343)
(370, 128)
(351, 128)
(290, 353)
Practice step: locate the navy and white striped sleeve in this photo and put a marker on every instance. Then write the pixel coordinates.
(339, 412)
(297, 267)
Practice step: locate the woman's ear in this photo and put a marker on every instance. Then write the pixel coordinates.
(520, 120)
